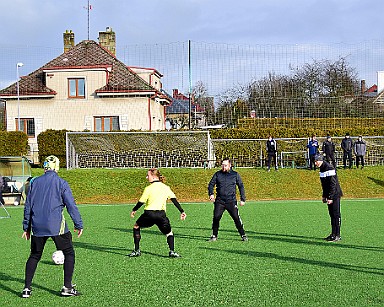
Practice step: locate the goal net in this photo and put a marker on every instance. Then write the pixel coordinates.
(138, 149)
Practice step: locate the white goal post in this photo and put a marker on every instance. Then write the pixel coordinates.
(139, 149)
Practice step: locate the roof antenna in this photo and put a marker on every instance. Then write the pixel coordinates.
(89, 7)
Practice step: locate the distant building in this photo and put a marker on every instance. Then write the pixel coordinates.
(86, 88)
(177, 112)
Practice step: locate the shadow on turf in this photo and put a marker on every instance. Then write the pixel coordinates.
(157, 232)
(377, 181)
(348, 267)
(101, 248)
(111, 249)
(288, 238)
(7, 278)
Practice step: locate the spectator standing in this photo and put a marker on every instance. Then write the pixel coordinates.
(346, 145)
(328, 149)
(313, 150)
(272, 153)
(360, 148)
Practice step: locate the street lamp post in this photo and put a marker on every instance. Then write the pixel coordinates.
(18, 65)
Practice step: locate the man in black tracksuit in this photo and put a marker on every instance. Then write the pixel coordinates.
(272, 152)
(346, 145)
(329, 151)
(226, 181)
(331, 195)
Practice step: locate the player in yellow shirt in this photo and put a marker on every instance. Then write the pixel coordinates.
(155, 198)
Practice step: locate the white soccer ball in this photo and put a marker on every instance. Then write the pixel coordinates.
(58, 257)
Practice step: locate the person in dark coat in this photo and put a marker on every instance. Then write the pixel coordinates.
(226, 181)
(43, 219)
(346, 145)
(328, 149)
(331, 196)
(272, 153)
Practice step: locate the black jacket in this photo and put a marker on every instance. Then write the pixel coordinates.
(329, 181)
(271, 146)
(329, 148)
(346, 144)
(226, 185)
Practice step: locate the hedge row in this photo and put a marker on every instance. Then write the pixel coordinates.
(320, 124)
(52, 142)
(283, 132)
(13, 143)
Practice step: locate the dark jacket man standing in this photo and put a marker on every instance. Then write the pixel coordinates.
(272, 152)
(226, 181)
(346, 145)
(43, 219)
(329, 151)
(331, 195)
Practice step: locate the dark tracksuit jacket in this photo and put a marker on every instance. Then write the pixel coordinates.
(329, 149)
(226, 186)
(329, 181)
(43, 211)
(346, 144)
(331, 190)
(226, 183)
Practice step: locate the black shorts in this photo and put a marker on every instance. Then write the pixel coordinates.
(62, 242)
(155, 217)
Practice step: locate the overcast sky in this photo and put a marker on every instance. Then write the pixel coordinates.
(41, 23)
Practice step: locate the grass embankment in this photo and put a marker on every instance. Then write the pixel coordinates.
(114, 186)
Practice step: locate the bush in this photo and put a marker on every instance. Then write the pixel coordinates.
(13, 143)
(52, 142)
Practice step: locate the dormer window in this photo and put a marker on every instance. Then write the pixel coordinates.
(76, 88)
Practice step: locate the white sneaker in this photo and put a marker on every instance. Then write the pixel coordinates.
(27, 292)
(69, 291)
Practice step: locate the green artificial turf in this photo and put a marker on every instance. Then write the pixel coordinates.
(285, 262)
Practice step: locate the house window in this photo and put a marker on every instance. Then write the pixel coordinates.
(76, 88)
(27, 125)
(107, 123)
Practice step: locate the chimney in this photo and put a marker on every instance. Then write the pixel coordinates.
(69, 40)
(363, 87)
(107, 40)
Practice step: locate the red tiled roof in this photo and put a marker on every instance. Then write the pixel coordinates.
(372, 89)
(86, 54)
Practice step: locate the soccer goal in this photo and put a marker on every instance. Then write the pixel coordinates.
(138, 149)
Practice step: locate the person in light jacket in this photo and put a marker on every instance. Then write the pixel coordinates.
(360, 148)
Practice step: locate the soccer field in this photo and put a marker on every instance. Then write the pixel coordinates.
(284, 263)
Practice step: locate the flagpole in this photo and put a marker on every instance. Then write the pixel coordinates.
(88, 18)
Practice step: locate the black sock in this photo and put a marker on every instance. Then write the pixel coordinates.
(136, 238)
(171, 242)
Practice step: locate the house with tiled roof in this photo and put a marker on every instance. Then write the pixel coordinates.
(177, 112)
(86, 88)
